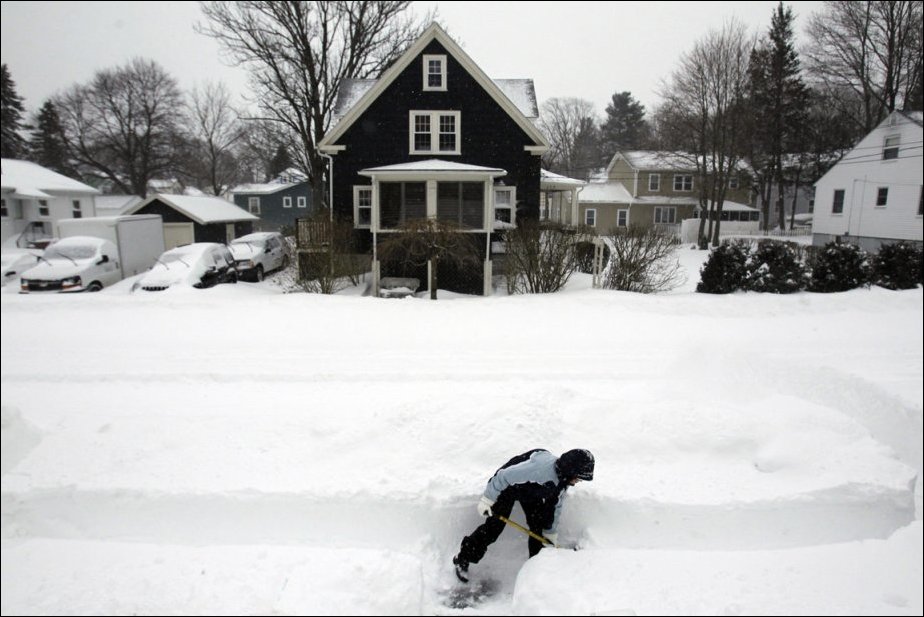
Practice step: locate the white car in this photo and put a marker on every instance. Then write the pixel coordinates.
(78, 263)
(259, 253)
(16, 261)
(201, 264)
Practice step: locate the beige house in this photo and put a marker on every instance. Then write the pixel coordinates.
(656, 188)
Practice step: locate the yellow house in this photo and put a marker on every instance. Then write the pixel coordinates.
(657, 188)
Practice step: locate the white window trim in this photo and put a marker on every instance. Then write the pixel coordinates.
(618, 213)
(878, 189)
(834, 202)
(302, 202)
(43, 203)
(886, 147)
(654, 189)
(513, 201)
(426, 73)
(664, 209)
(586, 216)
(683, 190)
(434, 131)
(357, 188)
(253, 205)
(287, 201)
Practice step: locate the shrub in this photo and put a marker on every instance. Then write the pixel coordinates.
(840, 267)
(775, 268)
(898, 266)
(726, 269)
(540, 258)
(642, 260)
(584, 255)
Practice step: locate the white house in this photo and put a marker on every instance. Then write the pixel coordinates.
(35, 198)
(873, 194)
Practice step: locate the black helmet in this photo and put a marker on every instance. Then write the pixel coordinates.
(576, 464)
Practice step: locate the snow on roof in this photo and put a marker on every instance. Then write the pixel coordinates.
(265, 188)
(433, 165)
(605, 192)
(117, 204)
(32, 180)
(658, 159)
(203, 210)
(547, 177)
(521, 93)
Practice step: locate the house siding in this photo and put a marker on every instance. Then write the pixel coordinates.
(489, 137)
(273, 216)
(860, 175)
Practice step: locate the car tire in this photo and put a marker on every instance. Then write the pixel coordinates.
(94, 286)
(258, 274)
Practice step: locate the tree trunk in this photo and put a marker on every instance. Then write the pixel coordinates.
(434, 264)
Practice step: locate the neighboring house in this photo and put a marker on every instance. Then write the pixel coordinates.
(873, 195)
(196, 219)
(114, 205)
(35, 198)
(558, 196)
(435, 137)
(278, 204)
(649, 188)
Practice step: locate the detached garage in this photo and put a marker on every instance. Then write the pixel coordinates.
(196, 219)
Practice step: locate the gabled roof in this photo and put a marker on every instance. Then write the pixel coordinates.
(203, 210)
(362, 95)
(267, 188)
(653, 160)
(115, 203)
(31, 180)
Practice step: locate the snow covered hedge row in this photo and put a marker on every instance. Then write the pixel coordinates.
(783, 267)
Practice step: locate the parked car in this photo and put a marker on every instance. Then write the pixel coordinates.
(259, 253)
(202, 264)
(78, 263)
(17, 261)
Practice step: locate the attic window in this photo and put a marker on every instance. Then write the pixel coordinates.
(890, 149)
(434, 73)
(434, 132)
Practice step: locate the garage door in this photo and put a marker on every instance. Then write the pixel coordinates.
(178, 234)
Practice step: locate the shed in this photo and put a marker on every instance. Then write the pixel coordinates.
(190, 219)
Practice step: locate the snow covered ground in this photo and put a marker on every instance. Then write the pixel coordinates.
(243, 451)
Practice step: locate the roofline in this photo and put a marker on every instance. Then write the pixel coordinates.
(433, 32)
(164, 197)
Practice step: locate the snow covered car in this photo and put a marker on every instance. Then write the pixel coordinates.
(16, 261)
(258, 253)
(78, 263)
(201, 264)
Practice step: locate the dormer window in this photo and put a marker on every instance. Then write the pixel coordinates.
(434, 73)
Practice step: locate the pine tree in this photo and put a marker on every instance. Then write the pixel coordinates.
(12, 144)
(625, 127)
(46, 145)
(778, 94)
(281, 162)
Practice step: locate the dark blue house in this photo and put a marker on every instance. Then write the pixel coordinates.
(277, 204)
(434, 137)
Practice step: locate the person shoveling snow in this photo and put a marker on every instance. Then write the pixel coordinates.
(537, 479)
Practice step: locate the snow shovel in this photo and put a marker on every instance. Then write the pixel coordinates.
(531, 534)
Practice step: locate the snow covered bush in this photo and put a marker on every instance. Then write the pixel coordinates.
(898, 266)
(840, 267)
(725, 270)
(775, 268)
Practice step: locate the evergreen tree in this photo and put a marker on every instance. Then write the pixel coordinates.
(625, 127)
(46, 145)
(12, 144)
(281, 161)
(779, 96)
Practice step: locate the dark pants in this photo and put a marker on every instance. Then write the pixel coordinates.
(539, 509)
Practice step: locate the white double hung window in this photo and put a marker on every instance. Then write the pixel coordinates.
(435, 132)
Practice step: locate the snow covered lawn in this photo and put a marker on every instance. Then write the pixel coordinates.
(237, 450)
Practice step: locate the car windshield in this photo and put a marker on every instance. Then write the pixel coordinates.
(70, 251)
(257, 244)
(185, 259)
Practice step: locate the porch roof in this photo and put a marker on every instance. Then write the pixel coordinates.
(549, 181)
(433, 166)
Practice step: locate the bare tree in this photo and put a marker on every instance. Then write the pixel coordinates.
(430, 241)
(122, 126)
(299, 52)
(215, 129)
(260, 145)
(642, 260)
(570, 124)
(704, 114)
(540, 257)
(868, 54)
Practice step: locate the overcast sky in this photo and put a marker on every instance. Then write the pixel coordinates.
(582, 49)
